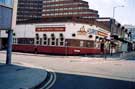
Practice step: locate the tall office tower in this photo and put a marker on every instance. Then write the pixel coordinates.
(29, 9)
(67, 8)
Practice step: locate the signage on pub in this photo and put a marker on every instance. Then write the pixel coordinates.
(50, 29)
(82, 31)
(102, 34)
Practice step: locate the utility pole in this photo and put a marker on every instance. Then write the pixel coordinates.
(114, 8)
(9, 46)
(10, 32)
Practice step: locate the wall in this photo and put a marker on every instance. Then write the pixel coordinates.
(70, 28)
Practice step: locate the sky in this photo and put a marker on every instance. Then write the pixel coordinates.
(124, 15)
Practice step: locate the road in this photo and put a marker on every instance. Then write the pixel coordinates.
(73, 81)
(82, 72)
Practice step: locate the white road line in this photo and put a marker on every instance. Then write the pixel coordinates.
(52, 79)
(53, 82)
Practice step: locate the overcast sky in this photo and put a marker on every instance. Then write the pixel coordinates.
(124, 15)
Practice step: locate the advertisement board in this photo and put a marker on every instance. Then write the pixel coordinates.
(5, 17)
(50, 29)
(5, 14)
(8, 3)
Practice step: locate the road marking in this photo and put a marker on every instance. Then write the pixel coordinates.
(51, 81)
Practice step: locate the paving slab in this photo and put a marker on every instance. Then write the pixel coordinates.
(19, 77)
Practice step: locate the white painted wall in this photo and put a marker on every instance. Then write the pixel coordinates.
(29, 30)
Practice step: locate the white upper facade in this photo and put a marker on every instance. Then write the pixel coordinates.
(81, 31)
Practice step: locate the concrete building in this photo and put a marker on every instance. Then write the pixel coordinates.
(29, 9)
(131, 34)
(68, 8)
(131, 28)
(34, 9)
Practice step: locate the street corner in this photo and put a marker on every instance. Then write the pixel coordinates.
(50, 79)
(90, 60)
(48, 82)
(19, 77)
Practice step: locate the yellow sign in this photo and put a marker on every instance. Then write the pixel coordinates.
(82, 31)
(50, 29)
(102, 34)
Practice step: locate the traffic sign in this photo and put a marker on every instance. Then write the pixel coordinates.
(5, 18)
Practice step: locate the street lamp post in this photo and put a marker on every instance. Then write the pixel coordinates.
(9, 46)
(10, 32)
(111, 26)
(115, 8)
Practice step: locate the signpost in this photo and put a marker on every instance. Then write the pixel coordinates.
(7, 23)
(9, 47)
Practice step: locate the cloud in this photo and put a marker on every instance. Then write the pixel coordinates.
(120, 2)
(107, 2)
(105, 8)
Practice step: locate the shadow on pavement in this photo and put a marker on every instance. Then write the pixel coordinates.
(72, 81)
(20, 77)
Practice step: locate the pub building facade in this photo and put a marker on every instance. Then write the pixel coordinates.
(69, 37)
(66, 27)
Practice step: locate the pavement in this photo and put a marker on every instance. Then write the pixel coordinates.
(20, 77)
(126, 55)
(73, 71)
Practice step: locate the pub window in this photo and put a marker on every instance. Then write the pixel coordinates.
(37, 42)
(90, 36)
(52, 39)
(25, 41)
(88, 44)
(61, 43)
(57, 42)
(97, 37)
(14, 40)
(81, 43)
(44, 39)
(73, 35)
(61, 35)
(52, 35)
(53, 43)
(37, 39)
(45, 43)
(61, 39)
(44, 36)
(37, 36)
